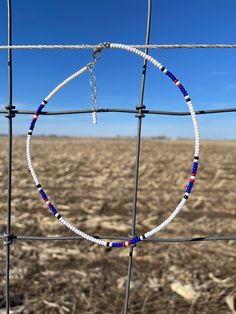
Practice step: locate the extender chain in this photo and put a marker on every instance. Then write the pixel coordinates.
(93, 85)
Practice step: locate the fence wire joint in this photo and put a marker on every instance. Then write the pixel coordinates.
(9, 238)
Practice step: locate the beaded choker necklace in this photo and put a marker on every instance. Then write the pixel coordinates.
(55, 212)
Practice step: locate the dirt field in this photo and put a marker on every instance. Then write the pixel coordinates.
(91, 183)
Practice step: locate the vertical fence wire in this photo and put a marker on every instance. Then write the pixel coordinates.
(139, 116)
(9, 116)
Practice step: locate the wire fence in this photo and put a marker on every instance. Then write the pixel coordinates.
(83, 46)
(10, 112)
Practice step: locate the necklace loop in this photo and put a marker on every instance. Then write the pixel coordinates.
(190, 183)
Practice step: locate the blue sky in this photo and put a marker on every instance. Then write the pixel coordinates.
(208, 75)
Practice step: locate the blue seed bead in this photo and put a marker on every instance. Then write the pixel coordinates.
(32, 125)
(168, 73)
(53, 209)
(113, 244)
(189, 188)
(190, 185)
(43, 194)
(39, 108)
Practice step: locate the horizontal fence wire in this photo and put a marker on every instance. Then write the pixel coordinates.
(153, 46)
(121, 110)
(110, 237)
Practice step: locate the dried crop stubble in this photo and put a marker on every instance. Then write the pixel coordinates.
(91, 183)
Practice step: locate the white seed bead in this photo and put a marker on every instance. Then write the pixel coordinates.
(94, 116)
